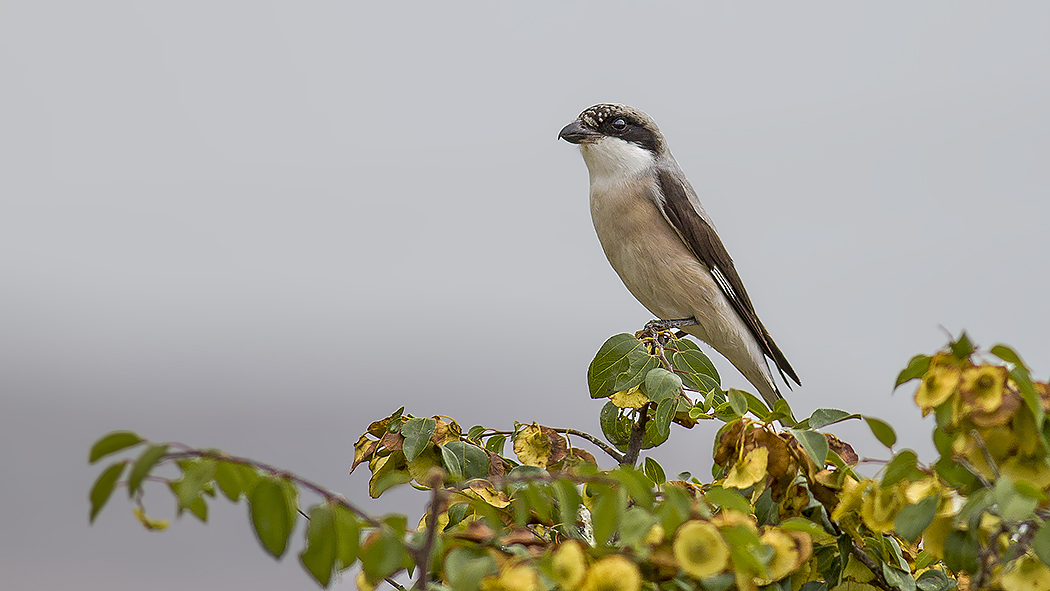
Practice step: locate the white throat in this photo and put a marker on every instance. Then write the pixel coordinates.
(613, 161)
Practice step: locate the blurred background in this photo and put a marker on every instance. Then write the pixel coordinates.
(261, 225)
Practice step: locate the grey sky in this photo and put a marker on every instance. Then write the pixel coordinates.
(260, 225)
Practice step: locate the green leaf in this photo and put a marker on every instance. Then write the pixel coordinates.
(801, 524)
(882, 431)
(383, 556)
(815, 444)
(1041, 543)
(822, 417)
(568, 499)
(235, 480)
(655, 471)
(472, 459)
(661, 384)
(143, 465)
(664, 416)
(898, 578)
(914, 519)
(745, 549)
(272, 514)
(496, 442)
(1012, 505)
(319, 556)
(636, 372)
(727, 499)
(639, 487)
(417, 433)
(614, 357)
(962, 348)
(1024, 383)
(112, 443)
(474, 434)
(756, 406)
(196, 474)
(782, 412)
(933, 580)
(675, 509)
(917, 368)
(615, 426)
(199, 509)
(607, 509)
(464, 568)
(1007, 354)
(452, 463)
(738, 402)
(724, 582)
(695, 363)
(903, 465)
(960, 551)
(103, 488)
(348, 536)
(635, 525)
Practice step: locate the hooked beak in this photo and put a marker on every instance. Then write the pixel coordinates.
(576, 133)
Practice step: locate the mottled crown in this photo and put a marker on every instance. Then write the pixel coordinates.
(640, 130)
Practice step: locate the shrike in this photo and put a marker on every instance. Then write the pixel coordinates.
(662, 244)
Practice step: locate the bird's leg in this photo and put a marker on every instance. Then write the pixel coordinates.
(669, 324)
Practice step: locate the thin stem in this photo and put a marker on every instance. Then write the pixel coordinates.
(598, 442)
(395, 584)
(328, 495)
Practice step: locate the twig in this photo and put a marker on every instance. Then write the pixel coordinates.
(326, 494)
(395, 584)
(634, 447)
(437, 499)
(987, 454)
(873, 566)
(972, 470)
(598, 442)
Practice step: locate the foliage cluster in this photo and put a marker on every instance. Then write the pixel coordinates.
(785, 507)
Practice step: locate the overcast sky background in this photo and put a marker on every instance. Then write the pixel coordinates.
(261, 225)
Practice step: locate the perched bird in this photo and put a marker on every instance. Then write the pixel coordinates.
(662, 244)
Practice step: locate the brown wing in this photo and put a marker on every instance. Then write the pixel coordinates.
(701, 238)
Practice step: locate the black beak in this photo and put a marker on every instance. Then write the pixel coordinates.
(576, 133)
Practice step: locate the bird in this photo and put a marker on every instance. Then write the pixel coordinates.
(663, 245)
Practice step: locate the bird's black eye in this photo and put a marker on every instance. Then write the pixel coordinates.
(619, 125)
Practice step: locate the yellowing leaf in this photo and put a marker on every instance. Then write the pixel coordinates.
(982, 387)
(881, 506)
(786, 558)
(700, 549)
(150, 523)
(749, 470)
(519, 577)
(937, 385)
(488, 493)
(613, 573)
(632, 398)
(568, 565)
(1026, 574)
(539, 446)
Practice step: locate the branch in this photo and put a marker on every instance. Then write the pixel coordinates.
(601, 444)
(873, 566)
(326, 494)
(637, 435)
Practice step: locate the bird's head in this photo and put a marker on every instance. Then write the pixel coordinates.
(615, 139)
